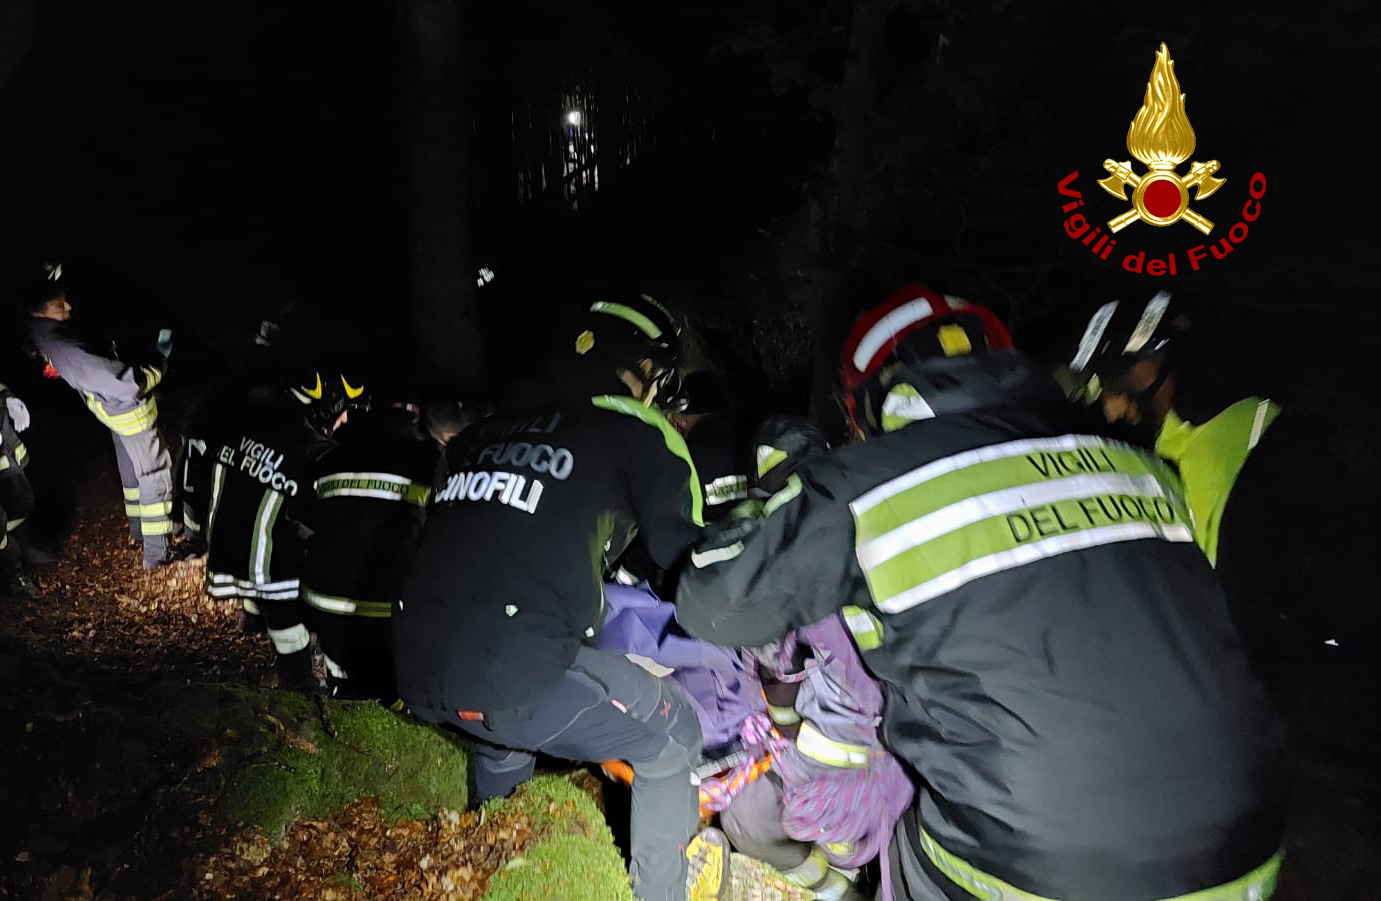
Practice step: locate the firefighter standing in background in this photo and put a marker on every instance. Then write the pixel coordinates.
(371, 490)
(121, 395)
(508, 583)
(16, 495)
(259, 503)
(1056, 655)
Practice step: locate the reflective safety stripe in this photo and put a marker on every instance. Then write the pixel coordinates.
(768, 458)
(12, 524)
(162, 508)
(4, 462)
(809, 871)
(811, 742)
(261, 545)
(21, 454)
(726, 489)
(788, 493)
(217, 484)
(346, 606)
(140, 419)
(132, 511)
(250, 607)
(628, 314)
(290, 640)
(132, 494)
(334, 668)
(863, 626)
(381, 485)
(783, 716)
(156, 527)
(189, 521)
(674, 442)
(942, 525)
(702, 559)
(1257, 885)
(4, 540)
(225, 585)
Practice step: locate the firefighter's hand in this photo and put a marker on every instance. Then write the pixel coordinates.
(19, 414)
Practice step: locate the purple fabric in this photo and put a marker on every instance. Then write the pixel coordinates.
(723, 691)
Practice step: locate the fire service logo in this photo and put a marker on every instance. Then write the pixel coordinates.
(1161, 138)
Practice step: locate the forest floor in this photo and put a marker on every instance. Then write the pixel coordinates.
(103, 799)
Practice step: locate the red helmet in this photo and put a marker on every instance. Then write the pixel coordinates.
(878, 333)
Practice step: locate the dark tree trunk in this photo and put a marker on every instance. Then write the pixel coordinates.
(445, 324)
(835, 218)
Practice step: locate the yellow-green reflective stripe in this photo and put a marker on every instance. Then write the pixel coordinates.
(813, 743)
(1257, 885)
(131, 494)
(768, 458)
(11, 525)
(702, 559)
(217, 484)
(380, 485)
(347, 606)
(4, 540)
(628, 314)
(864, 627)
(783, 716)
(131, 422)
(162, 508)
(132, 511)
(4, 463)
(789, 491)
(675, 443)
(21, 453)
(156, 528)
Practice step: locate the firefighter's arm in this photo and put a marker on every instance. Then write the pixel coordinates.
(100, 375)
(663, 486)
(751, 580)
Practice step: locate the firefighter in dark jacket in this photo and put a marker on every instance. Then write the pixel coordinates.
(259, 504)
(507, 586)
(372, 491)
(121, 395)
(718, 441)
(16, 495)
(1056, 656)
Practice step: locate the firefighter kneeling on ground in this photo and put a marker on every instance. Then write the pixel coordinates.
(258, 491)
(1056, 655)
(372, 491)
(490, 636)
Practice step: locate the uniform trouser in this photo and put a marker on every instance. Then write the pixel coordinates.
(359, 654)
(285, 622)
(606, 708)
(753, 824)
(16, 503)
(147, 477)
(914, 877)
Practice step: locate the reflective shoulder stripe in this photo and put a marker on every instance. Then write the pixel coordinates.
(674, 442)
(346, 606)
(379, 485)
(814, 744)
(726, 489)
(1256, 885)
(628, 314)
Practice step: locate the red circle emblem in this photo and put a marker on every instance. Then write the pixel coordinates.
(1162, 198)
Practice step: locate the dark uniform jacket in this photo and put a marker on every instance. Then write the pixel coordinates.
(372, 491)
(720, 445)
(508, 580)
(1056, 655)
(259, 499)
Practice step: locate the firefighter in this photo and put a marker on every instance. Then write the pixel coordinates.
(259, 502)
(371, 491)
(121, 395)
(718, 441)
(1056, 656)
(507, 586)
(16, 496)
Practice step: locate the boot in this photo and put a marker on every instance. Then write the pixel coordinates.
(33, 555)
(707, 873)
(18, 584)
(294, 672)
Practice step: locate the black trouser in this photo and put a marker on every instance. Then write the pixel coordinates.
(16, 503)
(606, 708)
(358, 652)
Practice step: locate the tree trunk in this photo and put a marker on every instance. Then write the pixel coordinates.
(836, 220)
(445, 324)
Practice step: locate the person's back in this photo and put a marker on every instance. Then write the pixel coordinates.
(1057, 658)
(372, 489)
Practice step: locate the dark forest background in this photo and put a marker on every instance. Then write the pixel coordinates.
(765, 167)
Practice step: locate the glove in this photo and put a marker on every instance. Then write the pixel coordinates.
(19, 414)
(165, 343)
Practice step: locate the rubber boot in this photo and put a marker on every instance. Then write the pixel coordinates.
(707, 874)
(294, 671)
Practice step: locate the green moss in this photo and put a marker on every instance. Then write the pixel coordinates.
(575, 859)
(412, 768)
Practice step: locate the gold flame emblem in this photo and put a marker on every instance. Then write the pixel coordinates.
(1161, 138)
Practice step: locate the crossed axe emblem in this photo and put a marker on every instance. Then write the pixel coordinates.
(1121, 177)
